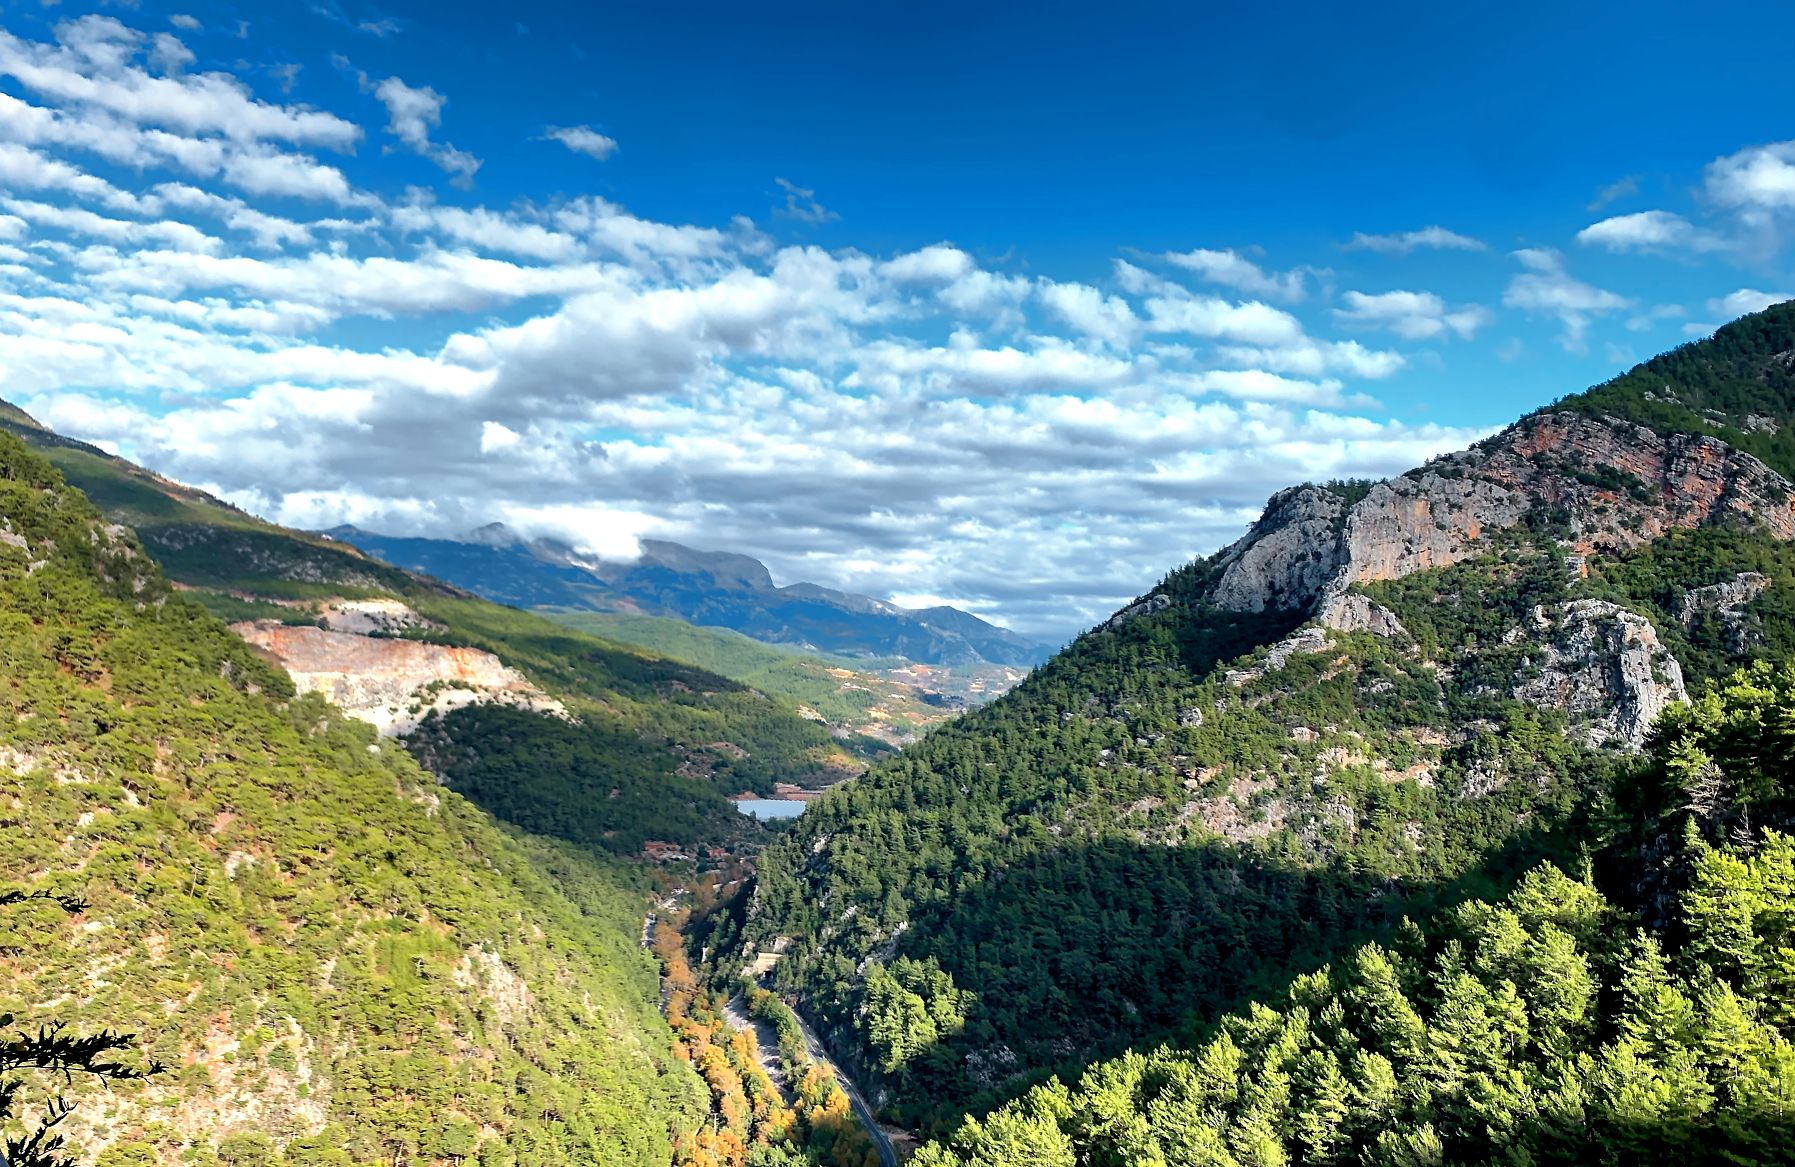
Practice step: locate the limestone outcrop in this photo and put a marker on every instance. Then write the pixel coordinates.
(392, 684)
(1617, 484)
(1602, 666)
(1726, 602)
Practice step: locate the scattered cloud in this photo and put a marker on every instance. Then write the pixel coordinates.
(1650, 318)
(801, 204)
(1755, 181)
(1648, 231)
(412, 113)
(1545, 287)
(1428, 238)
(1230, 269)
(1411, 315)
(583, 140)
(184, 22)
(169, 55)
(1745, 301)
(218, 282)
(1614, 192)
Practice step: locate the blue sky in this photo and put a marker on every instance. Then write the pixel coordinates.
(1014, 308)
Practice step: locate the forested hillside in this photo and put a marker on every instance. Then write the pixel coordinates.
(1556, 1025)
(844, 694)
(1388, 699)
(657, 745)
(338, 960)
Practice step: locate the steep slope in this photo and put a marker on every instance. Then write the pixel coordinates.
(709, 588)
(1559, 1025)
(338, 959)
(1385, 698)
(659, 745)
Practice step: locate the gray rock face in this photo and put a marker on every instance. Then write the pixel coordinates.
(1407, 525)
(1604, 667)
(1158, 602)
(1619, 484)
(1727, 601)
(1288, 556)
(1352, 612)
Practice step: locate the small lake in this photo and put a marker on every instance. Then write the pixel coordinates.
(770, 808)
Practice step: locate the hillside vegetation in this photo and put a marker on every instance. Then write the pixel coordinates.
(672, 739)
(1551, 1026)
(341, 961)
(841, 692)
(1387, 701)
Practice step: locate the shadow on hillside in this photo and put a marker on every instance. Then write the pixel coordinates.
(1732, 1137)
(1082, 953)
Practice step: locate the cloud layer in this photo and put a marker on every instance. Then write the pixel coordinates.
(219, 282)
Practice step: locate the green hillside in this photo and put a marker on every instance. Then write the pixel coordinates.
(841, 692)
(1548, 1027)
(672, 739)
(1186, 809)
(1738, 385)
(340, 961)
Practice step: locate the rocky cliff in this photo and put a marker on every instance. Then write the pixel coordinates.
(391, 684)
(1615, 484)
(1603, 486)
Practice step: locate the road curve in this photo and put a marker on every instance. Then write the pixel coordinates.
(888, 1156)
(738, 1015)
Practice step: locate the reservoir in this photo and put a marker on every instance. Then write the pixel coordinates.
(770, 808)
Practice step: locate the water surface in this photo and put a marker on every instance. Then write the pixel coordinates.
(770, 808)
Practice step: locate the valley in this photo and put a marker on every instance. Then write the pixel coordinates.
(1382, 709)
(896, 586)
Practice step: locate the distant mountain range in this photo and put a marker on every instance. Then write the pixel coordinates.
(712, 588)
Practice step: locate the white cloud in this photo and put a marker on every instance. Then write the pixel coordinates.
(168, 53)
(1547, 288)
(1436, 238)
(1230, 269)
(1412, 315)
(1619, 189)
(583, 140)
(1211, 318)
(1745, 301)
(91, 68)
(896, 423)
(184, 22)
(22, 168)
(801, 204)
(1648, 319)
(1648, 231)
(412, 113)
(1311, 358)
(1758, 179)
(1104, 317)
(938, 263)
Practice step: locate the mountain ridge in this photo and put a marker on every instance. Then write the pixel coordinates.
(337, 957)
(716, 588)
(1398, 692)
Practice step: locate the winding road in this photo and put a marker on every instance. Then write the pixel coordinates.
(738, 1016)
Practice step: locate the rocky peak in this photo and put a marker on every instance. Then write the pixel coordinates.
(1616, 483)
(1287, 558)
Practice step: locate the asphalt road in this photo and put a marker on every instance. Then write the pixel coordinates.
(888, 1156)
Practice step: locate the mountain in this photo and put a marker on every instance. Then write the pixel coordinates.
(562, 732)
(1560, 1024)
(846, 698)
(712, 588)
(1386, 700)
(339, 960)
